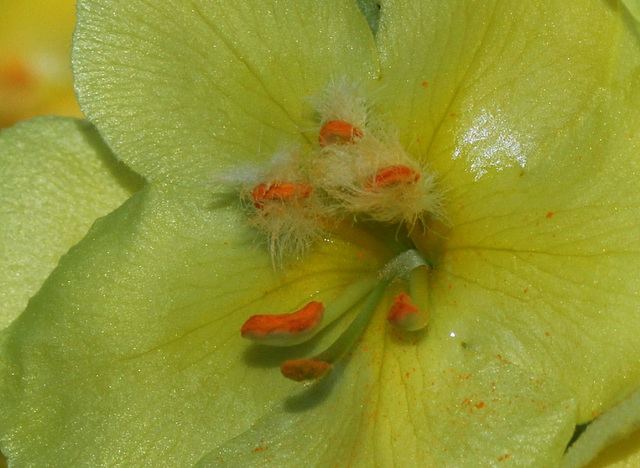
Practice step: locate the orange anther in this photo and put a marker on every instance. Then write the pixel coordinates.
(402, 310)
(304, 369)
(338, 132)
(263, 327)
(279, 191)
(393, 175)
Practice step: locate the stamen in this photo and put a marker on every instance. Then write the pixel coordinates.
(338, 132)
(309, 369)
(298, 327)
(284, 329)
(419, 287)
(411, 311)
(403, 265)
(405, 315)
(402, 311)
(279, 191)
(393, 175)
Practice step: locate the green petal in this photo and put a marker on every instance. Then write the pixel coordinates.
(609, 428)
(488, 82)
(56, 178)
(371, 11)
(131, 352)
(622, 454)
(180, 89)
(530, 118)
(397, 404)
(634, 8)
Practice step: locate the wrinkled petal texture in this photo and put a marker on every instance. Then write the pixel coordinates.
(529, 113)
(180, 89)
(56, 178)
(395, 402)
(131, 354)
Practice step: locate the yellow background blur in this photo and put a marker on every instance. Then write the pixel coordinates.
(35, 69)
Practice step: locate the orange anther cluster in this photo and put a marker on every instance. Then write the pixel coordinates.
(304, 369)
(393, 175)
(279, 191)
(338, 132)
(401, 309)
(307, 318)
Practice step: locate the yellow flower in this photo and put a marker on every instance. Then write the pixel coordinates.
(517, 120)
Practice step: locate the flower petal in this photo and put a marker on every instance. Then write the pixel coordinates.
(483, 86)
(622, 454)
(180, 89)
(371, 11)
(397, 404)
(131, 352)
(612, 426)
(56, 178)
(531, 118)
(634, 8)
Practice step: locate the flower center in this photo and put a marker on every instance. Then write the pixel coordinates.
(359, 172)
(408, 272)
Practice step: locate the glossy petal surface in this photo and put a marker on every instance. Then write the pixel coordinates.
(537, 145)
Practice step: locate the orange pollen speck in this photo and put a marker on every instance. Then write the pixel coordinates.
(304, 369)
(304, 319)
(393, 175)
(401, 309)
(279, 191)
(338, 132)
